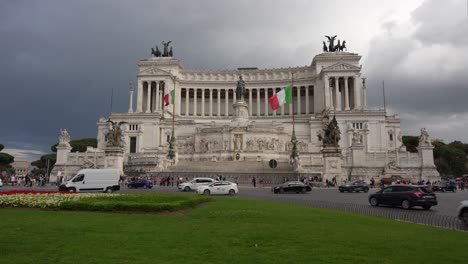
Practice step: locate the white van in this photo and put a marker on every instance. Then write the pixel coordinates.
(93, 180)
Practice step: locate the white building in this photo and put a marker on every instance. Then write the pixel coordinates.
(212, 138)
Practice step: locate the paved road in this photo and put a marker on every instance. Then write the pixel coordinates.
(442, 215)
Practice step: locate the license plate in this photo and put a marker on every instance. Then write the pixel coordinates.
(430, 197)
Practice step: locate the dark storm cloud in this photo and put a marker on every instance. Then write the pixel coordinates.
(423, 62)
(61, 59)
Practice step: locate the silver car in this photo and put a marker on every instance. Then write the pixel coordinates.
(194, 184)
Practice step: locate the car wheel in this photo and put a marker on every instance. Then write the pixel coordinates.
(442, 190)
(187, 189)
(426, 207)
(464, 216)
(341, 191)
(304, 190)
(206, 192)
(374, 201)
(281, 190)
(109, 190)
(366, 190)
(406, 204)
(151, 187)
(72, 190)
(454, 190)
(232, 192)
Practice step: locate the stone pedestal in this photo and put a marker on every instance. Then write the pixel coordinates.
(62, 154)
(428, 168)
(241, 112)
(332, 164)
(114, 158)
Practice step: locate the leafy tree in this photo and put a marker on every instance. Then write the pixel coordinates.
(411, 143)
(1, 147)
(5, 163)
(450, 159)
(79, 145)
(41, 164)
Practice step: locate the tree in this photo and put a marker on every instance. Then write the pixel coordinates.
(5, 163)
(450, 159)
(411, 143)
(1, 147)
(41, 164)
(79, 145)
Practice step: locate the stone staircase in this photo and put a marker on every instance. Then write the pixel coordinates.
(230, 166)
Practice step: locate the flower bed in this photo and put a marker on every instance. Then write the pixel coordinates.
(99, 201)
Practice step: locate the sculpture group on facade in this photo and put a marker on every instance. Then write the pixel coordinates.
(331, 47)
(114, 136)
(64, 138)
(424, 137)
(332, 134)
(167, 52)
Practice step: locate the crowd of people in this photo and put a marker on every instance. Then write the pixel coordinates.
(26, 181)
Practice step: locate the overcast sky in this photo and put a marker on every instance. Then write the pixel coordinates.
(59, 60)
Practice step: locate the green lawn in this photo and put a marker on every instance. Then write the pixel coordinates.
(227, 230)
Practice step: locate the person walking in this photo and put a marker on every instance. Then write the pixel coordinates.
(254, 182)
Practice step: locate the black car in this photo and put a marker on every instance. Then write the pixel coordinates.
(140, 183)
(444, 186)
(354, 186)
(405, 195)
(293, 186)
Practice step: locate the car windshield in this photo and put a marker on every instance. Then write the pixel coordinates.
(425, 190)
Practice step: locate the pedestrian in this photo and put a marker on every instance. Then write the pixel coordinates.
(462, 185)
(254, 182)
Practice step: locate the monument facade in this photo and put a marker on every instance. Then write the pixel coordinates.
(223, 123)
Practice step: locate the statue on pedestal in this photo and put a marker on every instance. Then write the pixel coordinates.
(240, 90)
(332, 134)
(115, 134)
(424, 137)
(64, 138)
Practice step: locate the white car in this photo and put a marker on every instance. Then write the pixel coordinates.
(194, 184)
(463, 212)
(1, 183)
(222, 187)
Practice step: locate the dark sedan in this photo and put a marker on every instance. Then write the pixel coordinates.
(140, 183)
(292, 187)
(405, 195)
(444, 186)
(354, 186)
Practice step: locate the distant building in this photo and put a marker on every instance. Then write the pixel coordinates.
(21, 167)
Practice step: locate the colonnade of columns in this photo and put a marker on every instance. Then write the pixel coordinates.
(342, 93)
(150, 96)
(218, 102)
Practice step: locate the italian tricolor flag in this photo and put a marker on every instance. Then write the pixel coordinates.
(169, 98)
(284, 96)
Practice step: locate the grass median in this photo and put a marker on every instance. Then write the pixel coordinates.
(226, 230)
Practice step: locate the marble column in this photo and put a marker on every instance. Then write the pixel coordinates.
(158, 105)
(234, 95)
(258, 102)
(140, 97)
(364, 97)
(307, 110)
(148, 97)
(298, 100)
(327, 92)
(186, 101)
(227, 103)
(130, 105)
(203, 102)
(266, 101)
(219, 102)
(195, 99)
(357, 94)
(211, 101)
(250, 102)
(346, 97)
(337, 94)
